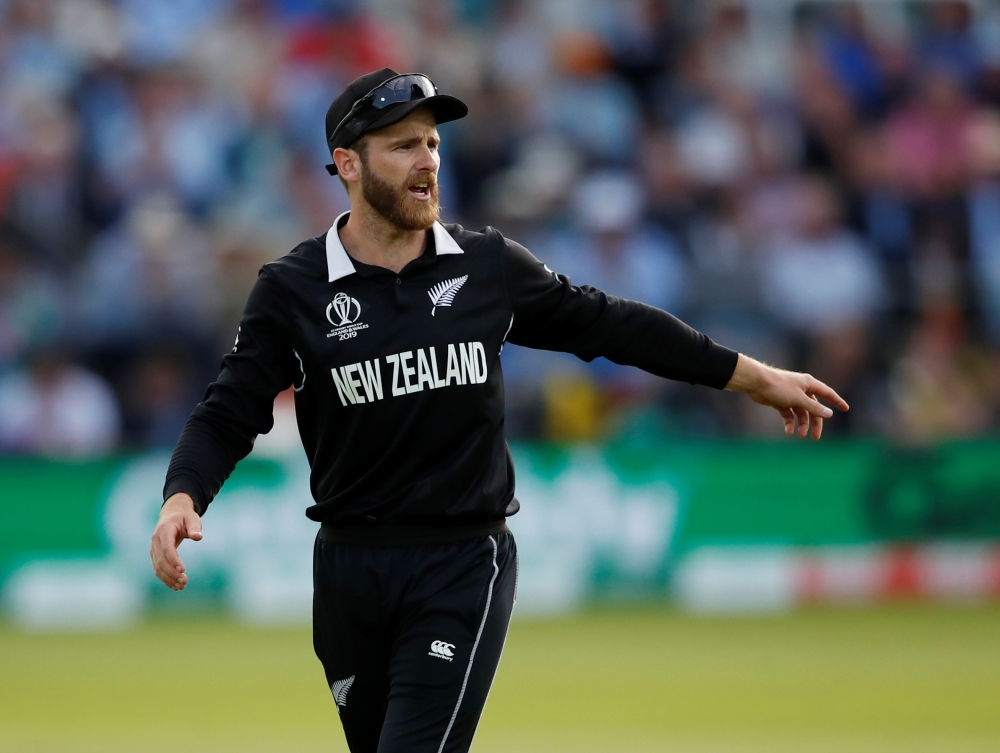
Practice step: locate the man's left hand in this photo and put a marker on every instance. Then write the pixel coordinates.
(793, 395)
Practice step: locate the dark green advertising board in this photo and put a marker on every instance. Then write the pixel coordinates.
(595, 520)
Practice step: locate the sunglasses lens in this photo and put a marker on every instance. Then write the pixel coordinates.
(402, 89)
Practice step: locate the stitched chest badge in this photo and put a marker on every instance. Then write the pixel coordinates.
(443, 294)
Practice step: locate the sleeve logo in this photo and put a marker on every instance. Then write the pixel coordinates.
(443, 294)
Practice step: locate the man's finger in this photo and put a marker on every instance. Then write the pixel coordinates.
(168, 547)
(164, 574)
(163, 571)
(789, 419)
(816, 426)
(171, 579)
(192, 526)
(802, 419)
(818, 389)
(812, 405)
(188, 527)
(156, 555)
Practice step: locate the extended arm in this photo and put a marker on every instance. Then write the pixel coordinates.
(221, 431)
(552, 313)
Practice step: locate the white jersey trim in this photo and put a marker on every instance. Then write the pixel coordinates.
(339, 263)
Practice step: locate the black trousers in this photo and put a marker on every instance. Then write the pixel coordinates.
(410, 638)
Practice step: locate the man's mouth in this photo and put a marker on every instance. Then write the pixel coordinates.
(421, 191)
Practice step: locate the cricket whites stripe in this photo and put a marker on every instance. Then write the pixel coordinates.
(475, 645)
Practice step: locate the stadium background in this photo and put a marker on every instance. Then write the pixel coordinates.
(816, 184)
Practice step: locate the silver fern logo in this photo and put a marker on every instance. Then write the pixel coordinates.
(340, 688)
(443, 294)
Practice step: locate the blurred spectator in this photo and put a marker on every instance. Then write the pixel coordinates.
(942, 387)
(32, 308)
(238, 56)
(160, 394)
(54, 407)
(855, 62)
(611, 247)
(90, 30)
(744, 49)
(929, 137)
(159, 32)
(152, 272)
(453, 51)
(821, 278)
(522, 55)
(36, 67)
(45, 203)
(884, 213)
(714, 145)
(595, 109)
(984, 220)
(948, 41)
(644, 40)
(158, 130)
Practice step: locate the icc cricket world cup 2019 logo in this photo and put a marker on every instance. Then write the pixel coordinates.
(345, 308)
(343, 312)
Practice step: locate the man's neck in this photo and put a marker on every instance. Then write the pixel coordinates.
(370, 239)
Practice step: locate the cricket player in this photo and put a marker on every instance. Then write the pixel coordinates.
(389, 328)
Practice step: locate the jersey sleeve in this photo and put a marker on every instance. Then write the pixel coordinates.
(239, 404)
(551, 313)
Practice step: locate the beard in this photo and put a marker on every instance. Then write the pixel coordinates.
(394, 204)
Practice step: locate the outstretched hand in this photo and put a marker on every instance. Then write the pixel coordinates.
(795, 396)
(178, 521)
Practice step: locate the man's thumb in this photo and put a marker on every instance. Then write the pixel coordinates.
(193, 525)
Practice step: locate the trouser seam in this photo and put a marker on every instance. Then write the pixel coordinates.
(475, 646)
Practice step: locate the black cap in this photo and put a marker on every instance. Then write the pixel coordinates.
(444, 107)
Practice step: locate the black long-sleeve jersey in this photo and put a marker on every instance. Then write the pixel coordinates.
(398, 386)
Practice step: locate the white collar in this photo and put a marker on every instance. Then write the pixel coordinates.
(340, 264)
(337, 260)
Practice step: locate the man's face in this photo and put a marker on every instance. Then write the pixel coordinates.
(399, 171)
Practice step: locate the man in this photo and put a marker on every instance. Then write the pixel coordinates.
(389, 327)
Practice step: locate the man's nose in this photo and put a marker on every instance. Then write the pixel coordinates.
(426, 159)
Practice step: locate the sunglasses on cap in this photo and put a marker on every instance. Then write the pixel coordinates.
(402, 88)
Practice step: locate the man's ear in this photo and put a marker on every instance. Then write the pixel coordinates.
(348, 164)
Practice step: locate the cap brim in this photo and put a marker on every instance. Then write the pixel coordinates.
(444, 107)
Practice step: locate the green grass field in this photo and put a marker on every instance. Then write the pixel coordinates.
(635, 680)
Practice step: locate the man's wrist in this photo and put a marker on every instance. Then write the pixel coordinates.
(749, 376)
(178, 502)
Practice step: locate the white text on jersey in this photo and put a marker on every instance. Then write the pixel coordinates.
(412, 371)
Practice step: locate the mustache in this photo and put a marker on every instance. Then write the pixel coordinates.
(429, 178)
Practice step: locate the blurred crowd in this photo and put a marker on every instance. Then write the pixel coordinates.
(817, 185)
